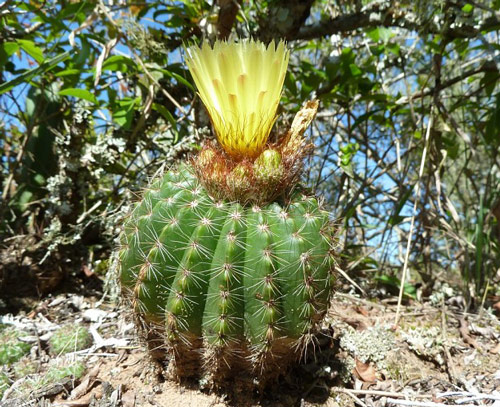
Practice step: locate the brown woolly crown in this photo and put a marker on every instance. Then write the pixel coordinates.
(263, 179)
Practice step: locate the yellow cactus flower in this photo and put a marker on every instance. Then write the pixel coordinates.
(240, 84)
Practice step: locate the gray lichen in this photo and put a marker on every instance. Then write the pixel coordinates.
(426, 342)
(369, 345)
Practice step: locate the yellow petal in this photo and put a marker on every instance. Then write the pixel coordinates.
(240, 84)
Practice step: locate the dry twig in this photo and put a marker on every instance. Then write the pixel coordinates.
(412, 223)
(452, 372)
(380, 393)
(423, 403)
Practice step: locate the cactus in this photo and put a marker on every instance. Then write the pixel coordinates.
(69, 338)
(63, 369)
(35, 382)
(232, 281)
(24, 367)
(226, 262)
(11, 348)
(4, 383)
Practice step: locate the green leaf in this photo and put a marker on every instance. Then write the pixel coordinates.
(179, 79)
(9, 48)
(489, 81)
(31, 49)
(396, 218)
(6, 50)
(394, 48)
(116, 168)
(68, 72)
(355, 71)
(123, 114)
(23, 199)
(165, 113)
(28, 75)
(171, 119)
(467, 8)
(348, 151)
(81, 57)
(383, 34)
(118, 63)
(364, 118)
(409, 290)
(175, 22)
(79, 93)
(291, 83)
(492, 125)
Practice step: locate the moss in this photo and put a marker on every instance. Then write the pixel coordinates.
(397, 368)
(395, 371)
(11, 348)
(403, 366)
(101, 267)
(69, 338)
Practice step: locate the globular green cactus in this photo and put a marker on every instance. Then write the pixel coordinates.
(227, 285)
(69, 338)
(60, 370)
(24, 367)
(4, 383)
(11, 348)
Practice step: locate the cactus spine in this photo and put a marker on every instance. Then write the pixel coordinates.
(227, 265)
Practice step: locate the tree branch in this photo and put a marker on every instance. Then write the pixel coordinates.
(284, 19)
(227, 15)
(387, 17)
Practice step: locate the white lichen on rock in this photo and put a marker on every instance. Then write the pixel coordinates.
(369, 345)
(442, 293)
(426, 342)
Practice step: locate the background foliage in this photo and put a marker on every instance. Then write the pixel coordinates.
(95, 98)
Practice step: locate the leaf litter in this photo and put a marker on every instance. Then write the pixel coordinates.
(438, 355)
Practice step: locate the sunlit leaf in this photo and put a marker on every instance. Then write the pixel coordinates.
(79, 93)
(32, 50)
(29, 74)
(118, 63)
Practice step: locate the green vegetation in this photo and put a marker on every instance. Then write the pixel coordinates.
(224, 283)
(69, 338)
(96, 98)
(60, 371)
(4, 383)
(11, 348)
(24, 367)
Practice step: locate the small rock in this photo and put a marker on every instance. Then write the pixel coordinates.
(57, 301)
(77, 301)
(94, 314)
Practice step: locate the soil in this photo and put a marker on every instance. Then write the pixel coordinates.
(437, 354)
